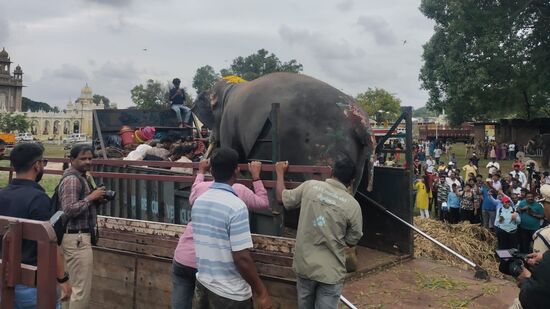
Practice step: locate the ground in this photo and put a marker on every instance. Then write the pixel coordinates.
(422, 283)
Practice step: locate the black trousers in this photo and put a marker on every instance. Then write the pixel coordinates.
(454, 215)
(526, 240)
(467, 215)
(507, 240)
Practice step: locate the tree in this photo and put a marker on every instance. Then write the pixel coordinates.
(487, 59)
(205, 78)
(380, 104)
(151, 96)
(259, 64)
(13, 122)
(423, 112)
(33, 106)
(97, 99)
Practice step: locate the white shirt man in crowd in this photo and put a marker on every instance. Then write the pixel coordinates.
(453, 180)
(516, 173)
(493, 166)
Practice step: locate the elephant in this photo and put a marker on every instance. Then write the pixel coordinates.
(318, 124)
(541, 141)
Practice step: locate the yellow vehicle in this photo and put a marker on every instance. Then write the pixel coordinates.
(9, 138)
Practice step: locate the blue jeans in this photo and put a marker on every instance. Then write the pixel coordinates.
(313, 294)
(178, 108)
(183, 285)
(25, 297)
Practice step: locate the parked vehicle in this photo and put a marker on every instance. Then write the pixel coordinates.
(75, 138)
(8, 138)
(24, 137)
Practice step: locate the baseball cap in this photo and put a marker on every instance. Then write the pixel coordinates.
(505, 199)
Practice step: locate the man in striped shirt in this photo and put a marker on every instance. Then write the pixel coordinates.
(226, 276)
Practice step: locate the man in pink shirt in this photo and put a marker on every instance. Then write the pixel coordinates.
(184, 266)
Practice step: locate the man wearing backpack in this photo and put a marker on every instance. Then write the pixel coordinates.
(25, 198)
(79, 200)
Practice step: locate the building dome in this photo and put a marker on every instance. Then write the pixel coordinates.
(4, 54)
(18, 69)
(86, 92)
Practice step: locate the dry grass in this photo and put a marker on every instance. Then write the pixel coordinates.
(470, 240)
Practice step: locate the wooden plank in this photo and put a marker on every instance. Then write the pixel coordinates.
(114, 266)
(111, 293)
(153, 283)
(275, 271)
(270, 258)
(139, 239)
(137, 248)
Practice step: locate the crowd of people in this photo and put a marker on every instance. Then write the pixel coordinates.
(506, 200)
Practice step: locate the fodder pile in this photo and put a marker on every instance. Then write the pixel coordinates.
(469, 240)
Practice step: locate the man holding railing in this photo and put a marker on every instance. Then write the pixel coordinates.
(330, 223)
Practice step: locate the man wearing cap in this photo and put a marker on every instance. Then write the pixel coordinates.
(506, 223)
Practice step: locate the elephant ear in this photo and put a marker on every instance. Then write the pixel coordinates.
(202, 109)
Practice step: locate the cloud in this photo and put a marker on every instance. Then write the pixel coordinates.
(4, 29)
(67, 71)
(379, 28)
(321, 46)
(113, 3)
(115, 80)
(345, 5)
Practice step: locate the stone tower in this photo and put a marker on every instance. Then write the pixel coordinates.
(11, 86)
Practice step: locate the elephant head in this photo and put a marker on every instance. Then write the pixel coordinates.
(208, 106)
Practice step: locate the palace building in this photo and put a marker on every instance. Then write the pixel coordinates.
(75, 118)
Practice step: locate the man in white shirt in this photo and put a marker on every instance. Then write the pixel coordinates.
(493, 166)
(516, 173)
(453, 180)
(437, 154)
(430, 162)
(496, 184)
(512, 151)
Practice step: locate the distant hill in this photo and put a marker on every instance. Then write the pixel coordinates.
(423, 112)
(29, 105)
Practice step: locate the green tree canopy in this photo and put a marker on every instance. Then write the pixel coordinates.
(10, 122)
(152, 95)
(259, 64)
(487, 59)
(106, 102)
(34, 106)
(380, 104)
(205, 78)
(423, 112)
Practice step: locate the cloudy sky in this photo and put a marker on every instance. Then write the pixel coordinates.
(351, 44)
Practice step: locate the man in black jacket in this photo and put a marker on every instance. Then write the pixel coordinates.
(535, 284)
(25, 198)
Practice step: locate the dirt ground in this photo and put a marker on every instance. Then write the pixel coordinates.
(422, 283)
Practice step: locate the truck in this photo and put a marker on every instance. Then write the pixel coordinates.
(8, 138)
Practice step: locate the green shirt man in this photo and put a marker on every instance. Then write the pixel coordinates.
(330, 221)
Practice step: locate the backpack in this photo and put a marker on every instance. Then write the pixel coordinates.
(55, 201)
